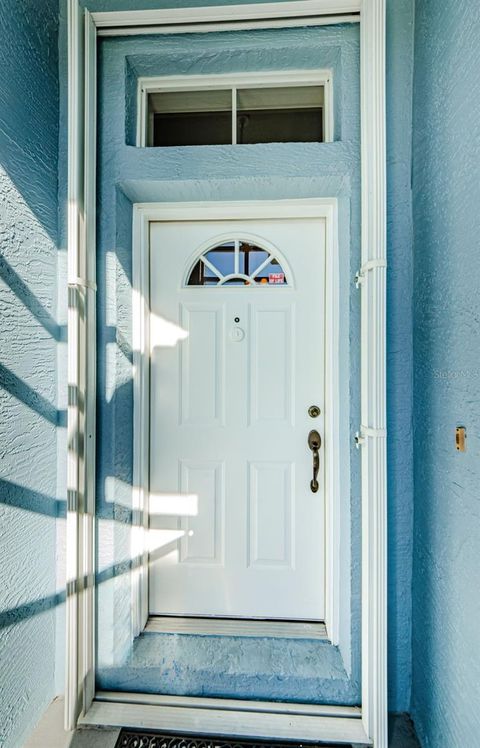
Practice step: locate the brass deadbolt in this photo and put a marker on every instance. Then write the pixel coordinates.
(314, 411)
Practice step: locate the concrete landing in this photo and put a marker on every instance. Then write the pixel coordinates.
(264, 669)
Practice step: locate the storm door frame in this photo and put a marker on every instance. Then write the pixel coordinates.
(82, 705)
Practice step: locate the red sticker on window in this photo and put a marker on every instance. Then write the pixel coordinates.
(276, 278)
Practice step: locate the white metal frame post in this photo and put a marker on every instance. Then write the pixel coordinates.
(81, 703)
(372, 279)
(80, 525)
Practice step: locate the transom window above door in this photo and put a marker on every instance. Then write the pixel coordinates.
(237, 263)
(274, 107)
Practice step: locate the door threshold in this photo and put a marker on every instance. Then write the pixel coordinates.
(266, 721)
(258, 628)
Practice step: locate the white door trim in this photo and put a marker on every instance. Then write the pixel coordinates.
(221, 17)
(83, 29)
(143, 214)
(373, 373)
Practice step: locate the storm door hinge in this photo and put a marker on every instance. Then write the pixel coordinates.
(367, 267)
(361, 436)
(82, 283)
(359, 440)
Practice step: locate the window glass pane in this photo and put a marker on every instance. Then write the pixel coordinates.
(272, 274)
(281, 115)
(202, 276)
(251, 258)
(264, 115)
(190, 118)
(223, 258)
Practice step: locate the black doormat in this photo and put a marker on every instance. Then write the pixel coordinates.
(143, 739)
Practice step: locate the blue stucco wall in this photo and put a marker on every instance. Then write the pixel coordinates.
(446, 599)
(29, 338)
(400, 17)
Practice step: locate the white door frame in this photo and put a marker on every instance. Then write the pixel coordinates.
(143, 214)
(81, 704)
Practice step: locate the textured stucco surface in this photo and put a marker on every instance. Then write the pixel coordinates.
(400, 16)
(29, 335)
(234, 667)
(446, 599)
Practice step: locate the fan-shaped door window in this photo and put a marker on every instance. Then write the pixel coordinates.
(237, 263)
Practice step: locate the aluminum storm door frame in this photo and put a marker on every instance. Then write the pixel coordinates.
(83, 28)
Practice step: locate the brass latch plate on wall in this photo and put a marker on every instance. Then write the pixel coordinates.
(460, 437)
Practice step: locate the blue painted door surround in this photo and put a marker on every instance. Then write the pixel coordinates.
(260, 668)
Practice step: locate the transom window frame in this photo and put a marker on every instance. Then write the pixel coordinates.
(233, 81)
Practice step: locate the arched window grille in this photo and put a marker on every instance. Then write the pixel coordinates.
(237, 263)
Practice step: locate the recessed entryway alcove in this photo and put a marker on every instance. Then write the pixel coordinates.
(298, 668)
(293, 669)
(297, 664)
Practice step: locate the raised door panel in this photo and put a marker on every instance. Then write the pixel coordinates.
(203, 529)
(202, 393)
(271, 514)
(271, 364)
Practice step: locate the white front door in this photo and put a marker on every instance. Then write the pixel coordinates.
(237, 360)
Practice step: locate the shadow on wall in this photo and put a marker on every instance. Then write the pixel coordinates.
(33, 442)
(27, 610)
(30, 343)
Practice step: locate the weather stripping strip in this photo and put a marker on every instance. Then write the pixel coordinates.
(232, 627)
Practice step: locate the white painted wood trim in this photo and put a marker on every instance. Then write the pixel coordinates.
(224, 13)
(250, 628)
(141, 424)
(80, 524)
(323, 208)
(332, 444)
(228, 722)
(90, 363)
(204, 28)
(75, 149)
(314, 207)
(142, 129)
(373, 374)
(205, 702)
(267, 79)
(234, 115)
